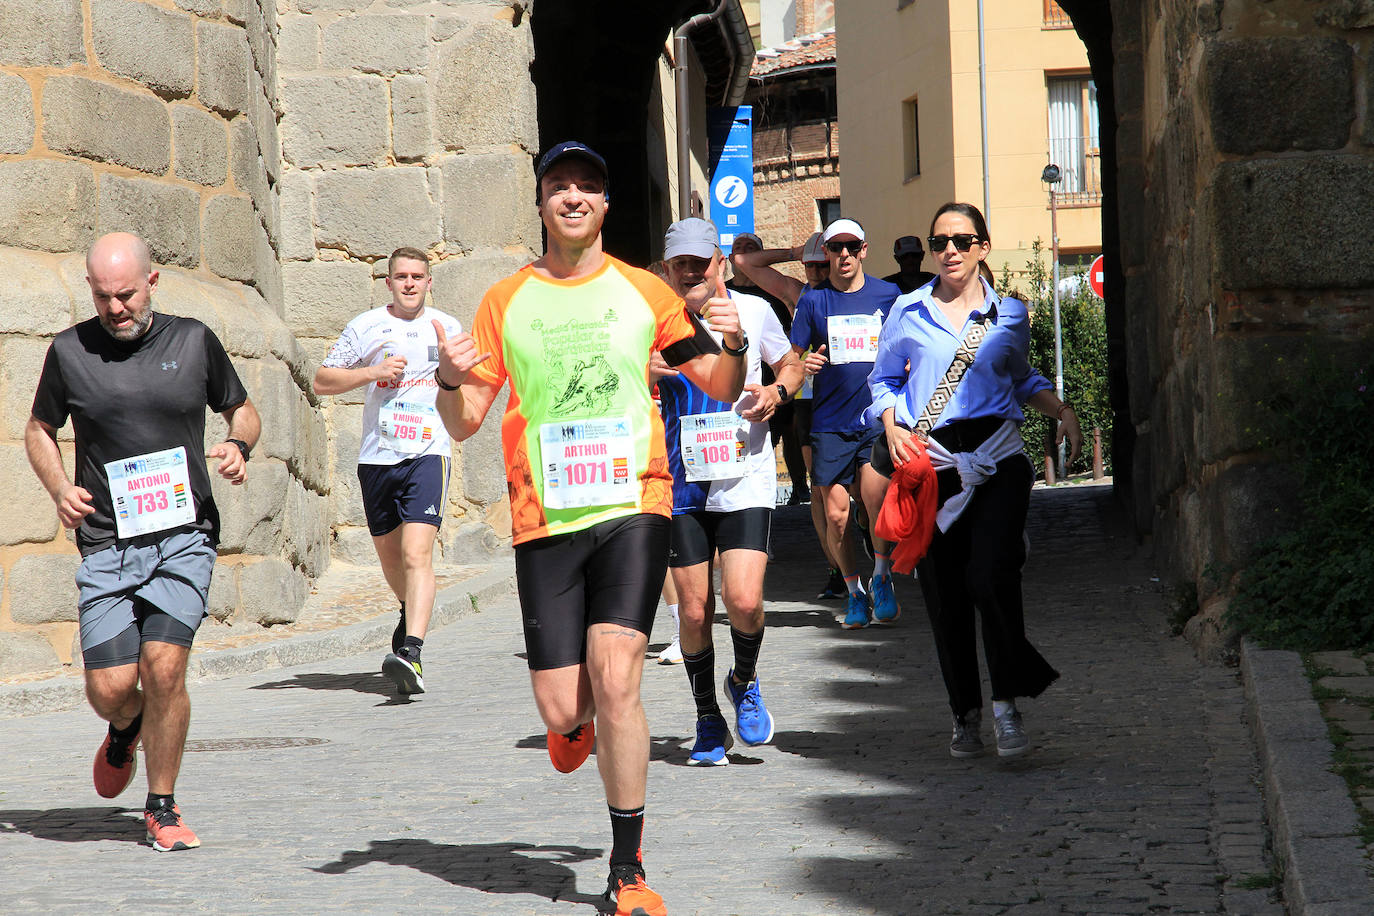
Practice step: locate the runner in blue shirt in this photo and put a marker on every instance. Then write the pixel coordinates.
(840, 321)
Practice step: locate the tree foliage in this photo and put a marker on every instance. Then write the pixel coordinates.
(1084, 331)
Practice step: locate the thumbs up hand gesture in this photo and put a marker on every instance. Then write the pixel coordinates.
(722, 315)
(457, 357)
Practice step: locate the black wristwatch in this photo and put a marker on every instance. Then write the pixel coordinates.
(783, 395)
(742, 349)
(243, 447)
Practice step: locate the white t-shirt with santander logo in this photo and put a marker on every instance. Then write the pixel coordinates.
(399, 419)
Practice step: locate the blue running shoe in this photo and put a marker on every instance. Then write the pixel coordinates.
(713, 740)
(753, 721)
(856, 612)
(885, 607)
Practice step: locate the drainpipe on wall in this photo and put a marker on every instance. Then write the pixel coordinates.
(983, 105)
(739, 45)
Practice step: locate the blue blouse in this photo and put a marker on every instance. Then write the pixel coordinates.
(996, 385)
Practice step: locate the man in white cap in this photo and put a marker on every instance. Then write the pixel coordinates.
(839, 324)
(724, 490)
(908, 252)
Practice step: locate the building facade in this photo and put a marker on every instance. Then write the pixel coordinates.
(909, 97)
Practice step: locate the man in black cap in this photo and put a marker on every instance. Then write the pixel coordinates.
(591, 492)
(908, 252)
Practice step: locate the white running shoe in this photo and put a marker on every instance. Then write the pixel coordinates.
(672, 655)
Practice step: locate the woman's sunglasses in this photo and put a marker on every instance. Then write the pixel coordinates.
(962, 241)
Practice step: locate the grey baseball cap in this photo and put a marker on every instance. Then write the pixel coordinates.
(694, 236)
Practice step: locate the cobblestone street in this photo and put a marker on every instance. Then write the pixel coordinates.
(314, 789)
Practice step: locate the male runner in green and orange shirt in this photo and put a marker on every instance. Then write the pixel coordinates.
(591, 493)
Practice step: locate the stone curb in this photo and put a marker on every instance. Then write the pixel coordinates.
(67, 691)
(1313, 820)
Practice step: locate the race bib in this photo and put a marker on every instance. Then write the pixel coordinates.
(407, 427)
(587, 463)
(854, 338)
(714, 446)
(151, 492)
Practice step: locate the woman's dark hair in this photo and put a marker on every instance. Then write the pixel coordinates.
(975, 216)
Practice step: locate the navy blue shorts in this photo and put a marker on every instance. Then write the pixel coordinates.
(837, 457)
(413, 491)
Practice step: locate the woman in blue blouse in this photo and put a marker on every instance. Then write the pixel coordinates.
(984, 476)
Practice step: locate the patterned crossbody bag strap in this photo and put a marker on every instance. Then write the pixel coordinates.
(944, 392)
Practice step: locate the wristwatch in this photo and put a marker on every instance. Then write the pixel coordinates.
(741, 350)
(783, 395)
(242, 446)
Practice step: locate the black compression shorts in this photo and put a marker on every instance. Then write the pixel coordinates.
(698, 535)
(610, 573)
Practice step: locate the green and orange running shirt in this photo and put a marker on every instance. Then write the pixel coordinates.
(583, 441)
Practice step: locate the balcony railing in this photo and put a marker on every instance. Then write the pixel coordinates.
(807, 142)
(1080, 169)
(1055, 17)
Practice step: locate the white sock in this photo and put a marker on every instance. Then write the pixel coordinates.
(882, 565)
(672, 609)
(855, 585)
(1001, 707)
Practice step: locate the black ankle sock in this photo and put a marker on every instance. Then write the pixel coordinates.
(412, 647)
(701, 675)
(403, 610)
(747, 647)
(158, 801)
(128, 732)
(627, 833)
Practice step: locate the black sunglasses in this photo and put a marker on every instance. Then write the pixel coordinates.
(853, 247)
(962, 241)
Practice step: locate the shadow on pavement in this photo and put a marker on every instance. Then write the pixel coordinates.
(492, 868)
(74, 825)
(363, 682)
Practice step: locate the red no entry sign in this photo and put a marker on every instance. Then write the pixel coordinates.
(1095, 276)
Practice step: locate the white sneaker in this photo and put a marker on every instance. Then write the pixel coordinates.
(672, 655)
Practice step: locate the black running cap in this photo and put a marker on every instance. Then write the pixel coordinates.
(566, 149)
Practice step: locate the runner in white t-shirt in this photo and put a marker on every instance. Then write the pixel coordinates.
(403, 461)
(725, 485)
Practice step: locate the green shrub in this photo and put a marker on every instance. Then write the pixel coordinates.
(1312, 586)
(1084, 329)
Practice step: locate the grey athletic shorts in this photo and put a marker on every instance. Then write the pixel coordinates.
(170, 575)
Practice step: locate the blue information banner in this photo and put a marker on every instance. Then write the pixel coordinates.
(730, 132)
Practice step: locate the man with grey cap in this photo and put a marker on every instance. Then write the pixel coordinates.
(839, 324)
(724, 490)
(908, 252)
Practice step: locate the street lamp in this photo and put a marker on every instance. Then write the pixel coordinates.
(1051, 175)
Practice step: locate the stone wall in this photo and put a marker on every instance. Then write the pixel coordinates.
(1246, 175)
(404, 124)
(272, 154)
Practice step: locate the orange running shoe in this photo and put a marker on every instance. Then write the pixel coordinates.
(167, 832)
(568, 752)
(115, 765)
(631, 896)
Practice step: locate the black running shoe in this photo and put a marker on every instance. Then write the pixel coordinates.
(398, 635)
(835, 588)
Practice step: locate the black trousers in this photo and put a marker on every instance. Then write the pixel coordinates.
(977, 564)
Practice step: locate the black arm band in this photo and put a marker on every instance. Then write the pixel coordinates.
(699, 343)
(443, 384)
